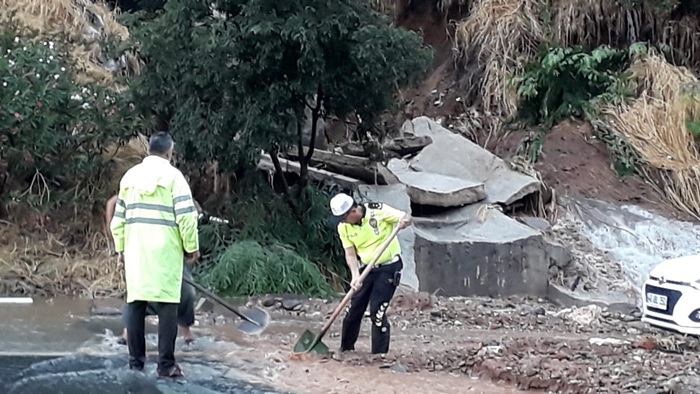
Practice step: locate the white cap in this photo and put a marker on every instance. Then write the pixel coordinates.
(341, 204)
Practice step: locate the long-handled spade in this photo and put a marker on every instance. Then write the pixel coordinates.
(254, 321)
(312, 343)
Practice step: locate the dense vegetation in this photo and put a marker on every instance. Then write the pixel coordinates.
(232, 78)
(53, 129)
(251, 77)
(228, 82)
(568, 82)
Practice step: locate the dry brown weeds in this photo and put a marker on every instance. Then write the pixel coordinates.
(684, 36)
(496, 42)
(41, 264)
(591, 23)
(123, 157)
(65, 252)
(655, 125)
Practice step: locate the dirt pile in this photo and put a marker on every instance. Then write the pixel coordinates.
(525, 342)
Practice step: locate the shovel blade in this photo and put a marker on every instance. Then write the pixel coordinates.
(259, 316)
(305, 344)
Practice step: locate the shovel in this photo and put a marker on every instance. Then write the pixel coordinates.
(254, 322)
(312, 343)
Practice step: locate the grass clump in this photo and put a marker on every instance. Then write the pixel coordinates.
(249, 268)
(493, 44)
(656, 124)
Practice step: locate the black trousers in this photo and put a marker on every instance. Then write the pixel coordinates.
(376, 291)
(185, 310)
(167, 334)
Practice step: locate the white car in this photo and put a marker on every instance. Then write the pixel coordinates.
(671, 295)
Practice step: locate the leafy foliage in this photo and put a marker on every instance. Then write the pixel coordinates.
(263, 223)
(568, 82)
(53, 130)
(243, 76)
(234, 77)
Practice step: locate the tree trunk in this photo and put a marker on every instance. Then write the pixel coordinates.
(305, 159)
(285, 187)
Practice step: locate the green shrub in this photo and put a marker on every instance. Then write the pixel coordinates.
(52, 130)
(568, 82)
(261, 216)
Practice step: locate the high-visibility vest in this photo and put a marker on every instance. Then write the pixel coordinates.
(374, 229)
(154, 223)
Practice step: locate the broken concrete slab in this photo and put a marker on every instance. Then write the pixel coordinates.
(560, 295)
(535, 222)
(453, 155)
(396, 196)
(427, 188)
(478, 251)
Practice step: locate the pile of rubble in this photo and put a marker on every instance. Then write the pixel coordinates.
(461, 243)
(524, 341)
(591, 272)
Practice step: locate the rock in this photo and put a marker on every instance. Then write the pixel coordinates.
(683, 385)
(559, 256)
(427, 188)
(219, 320)
(399, 368)
(628, 318)
(105, 311)
(554, 271)
(539, 311)
(583, 316)
(292, 304)
(269, 302)
(453, 155)
(536, 223)
(476, 250)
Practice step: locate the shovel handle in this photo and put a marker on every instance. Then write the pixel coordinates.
(220, 301)
(350, 293)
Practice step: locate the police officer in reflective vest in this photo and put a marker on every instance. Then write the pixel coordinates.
(363, 229)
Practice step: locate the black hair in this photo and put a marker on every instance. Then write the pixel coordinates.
(160, 143)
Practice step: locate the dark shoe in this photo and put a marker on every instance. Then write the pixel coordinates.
(173, 372)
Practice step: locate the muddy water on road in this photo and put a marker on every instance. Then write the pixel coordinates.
(56, 345)
(62, 326)
(49, 326)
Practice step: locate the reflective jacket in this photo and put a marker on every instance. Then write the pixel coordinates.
(154, 221)
(375, 228)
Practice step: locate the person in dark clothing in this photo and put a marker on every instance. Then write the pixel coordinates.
(362, 230)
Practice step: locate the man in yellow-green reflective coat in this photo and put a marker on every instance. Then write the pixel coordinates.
(154, 229)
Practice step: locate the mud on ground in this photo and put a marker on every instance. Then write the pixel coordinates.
(445, 343)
